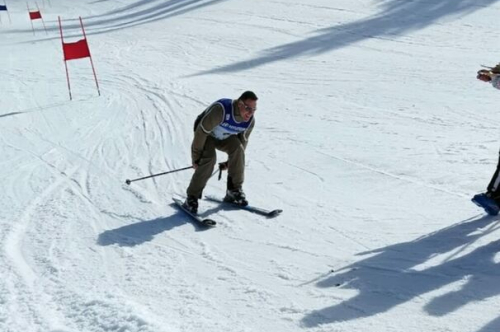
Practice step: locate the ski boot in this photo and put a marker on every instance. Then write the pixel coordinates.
(236, 196)
(191, 204)
(487, 203)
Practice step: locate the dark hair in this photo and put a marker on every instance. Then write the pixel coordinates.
(248, 95)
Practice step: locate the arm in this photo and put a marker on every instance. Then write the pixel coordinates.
(244, 136)
(212, 119)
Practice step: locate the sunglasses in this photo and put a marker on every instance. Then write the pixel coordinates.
(249, 109)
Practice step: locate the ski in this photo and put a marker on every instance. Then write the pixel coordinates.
(250, 208)
(205, 222)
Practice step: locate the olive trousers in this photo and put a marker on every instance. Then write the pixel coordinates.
(236, 164)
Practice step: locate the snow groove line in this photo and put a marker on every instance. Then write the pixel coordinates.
(401, 178)
(349, 237)
(305, 170)
(13, 240)
(89, 162)
(37, 302)
(106, 307)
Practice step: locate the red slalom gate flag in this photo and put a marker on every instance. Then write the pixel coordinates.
(35, 15)
(77, 50)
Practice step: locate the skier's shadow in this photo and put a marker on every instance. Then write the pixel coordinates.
(493, 326)
(32, 110)
(397, 274)
(145, 231)
(218, 208)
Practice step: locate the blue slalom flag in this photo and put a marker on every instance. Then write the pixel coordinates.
(2, 7)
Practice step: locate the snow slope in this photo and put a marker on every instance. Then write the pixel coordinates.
(372, 135)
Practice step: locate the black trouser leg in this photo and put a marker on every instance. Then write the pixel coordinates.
(494, 186)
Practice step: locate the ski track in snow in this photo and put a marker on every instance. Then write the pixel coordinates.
(41, 301)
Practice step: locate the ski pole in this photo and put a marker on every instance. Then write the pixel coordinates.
(153, 175)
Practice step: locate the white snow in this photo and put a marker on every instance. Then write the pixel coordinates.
(372, 135)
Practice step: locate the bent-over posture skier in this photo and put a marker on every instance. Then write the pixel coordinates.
(226, 126)
(490, 200)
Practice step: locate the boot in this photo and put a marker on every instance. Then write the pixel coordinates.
(191, 204)
(487, 203)
(236, 196)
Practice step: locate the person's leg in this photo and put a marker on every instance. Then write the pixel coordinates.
(204, 170)
(236, 170)
(493, 190)
(490, 200)
(236, 161)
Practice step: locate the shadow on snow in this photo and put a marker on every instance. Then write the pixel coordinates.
(137, 13)
(391, 276)
(145, 231)
(396, 18)
(493, 326)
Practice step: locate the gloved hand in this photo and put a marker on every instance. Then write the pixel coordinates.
(223, 166)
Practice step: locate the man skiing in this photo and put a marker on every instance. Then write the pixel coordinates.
(226, 126)
(490, 200)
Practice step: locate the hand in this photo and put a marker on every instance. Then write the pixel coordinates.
(223, 166)
(195, 166)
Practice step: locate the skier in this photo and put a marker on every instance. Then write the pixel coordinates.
(490, 200)
(226, 126)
